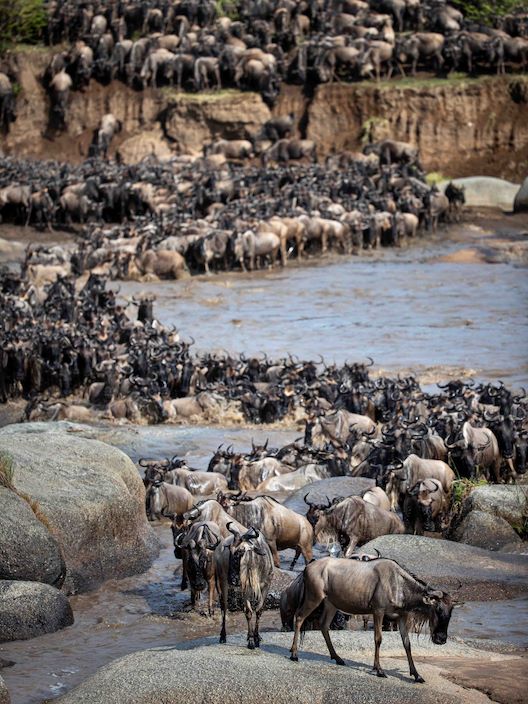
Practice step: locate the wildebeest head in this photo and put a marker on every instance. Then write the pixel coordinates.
(314, 510)
(440, 607)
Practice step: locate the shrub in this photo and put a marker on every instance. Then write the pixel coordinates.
(21, 21)
(487, 10)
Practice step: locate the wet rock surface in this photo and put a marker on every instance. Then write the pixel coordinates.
(4, 694)
(327, 490)
(28, 551)
(86, 491)
(487, 531)
(231, 673)
(520, 204)
(30, 609)
(443, 562)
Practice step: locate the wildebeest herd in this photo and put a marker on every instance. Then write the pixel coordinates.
(258, 44)
(165, 219)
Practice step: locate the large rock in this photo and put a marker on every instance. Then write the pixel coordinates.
(520, 204)
(486, 191)
(4, 694)
(30, 609)
(484, 530)
(449, 563)
(28, 551)
(509, 502)
(204, 671)
(191, 120)
(328, 489)
(90, 495)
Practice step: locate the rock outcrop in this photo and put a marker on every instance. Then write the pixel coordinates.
(91, 497)
(28, 551)
(520, 204)
(30, 609)
(483, 530)
(205, 671)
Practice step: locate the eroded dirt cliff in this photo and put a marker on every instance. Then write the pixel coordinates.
(461, 126)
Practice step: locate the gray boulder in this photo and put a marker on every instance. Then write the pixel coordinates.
(30, 609)
(328, 489)
(509, 502)
(484, 530)
(4, 694)
(92, 498)
(204, 671)
(28, 551)
(449, 563)
(520, 203)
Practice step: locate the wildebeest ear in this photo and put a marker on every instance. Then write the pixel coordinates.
(432, 597)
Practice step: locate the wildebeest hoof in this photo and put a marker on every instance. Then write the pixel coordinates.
(222, 639)
(378, 673)
(251, 645)
(339, 661)
(294, 658)
(419, 678)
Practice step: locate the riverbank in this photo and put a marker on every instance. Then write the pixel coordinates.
(461, 125)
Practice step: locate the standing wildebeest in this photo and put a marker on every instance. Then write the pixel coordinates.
(355, 522)
(244, 560)
(423, 504)
(415, 469)
(197, 546)
(282, 527)
(378, 587)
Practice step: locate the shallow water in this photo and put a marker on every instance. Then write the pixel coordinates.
(406, 310)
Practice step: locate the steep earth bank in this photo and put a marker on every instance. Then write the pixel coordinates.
(462, 126)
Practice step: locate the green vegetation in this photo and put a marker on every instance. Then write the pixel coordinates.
(6, 471)
(227, 8)
(435, 177)
(462, 488)
(21, 21)
(487, 10)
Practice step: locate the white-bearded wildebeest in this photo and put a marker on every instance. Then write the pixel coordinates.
(213, 511)
(168, 500)
(423, 504)
(282, 527)
(244, 561)
(476, 450)
(197, 545)
(415, 469)
(378, 587)
(355, 522)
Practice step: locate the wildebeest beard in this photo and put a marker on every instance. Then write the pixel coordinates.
(233, 574)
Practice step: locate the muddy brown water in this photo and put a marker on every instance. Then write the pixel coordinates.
(407, 309)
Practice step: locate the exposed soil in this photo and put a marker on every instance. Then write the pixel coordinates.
(462, 126)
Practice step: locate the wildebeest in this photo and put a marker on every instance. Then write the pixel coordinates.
(282, 527)
(168, 500)
(423, 504)
(413, 470)
(355, 522)
(198, 544)
(378, 587)
(245, 561)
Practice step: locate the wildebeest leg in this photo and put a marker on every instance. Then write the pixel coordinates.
(365, 622)
(211, 583)
(250, 635)
(351, 545)
(402, 625)
(183, 584)
(311, 602)
(223, 604)
(378, 620)
(257, 637)
(329, 612)
(297, 553)
(274, 552)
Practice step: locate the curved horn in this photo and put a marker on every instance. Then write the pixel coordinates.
(233, 532)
